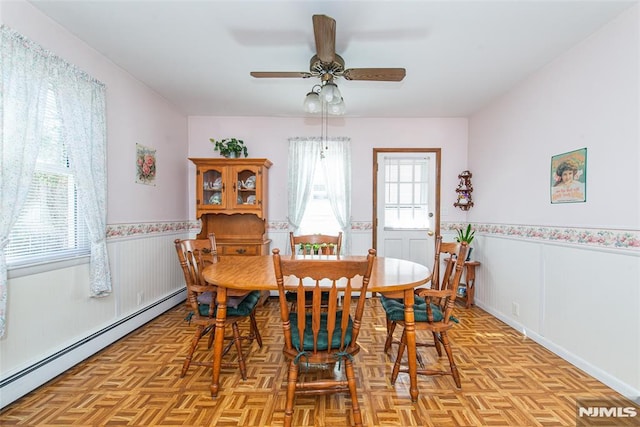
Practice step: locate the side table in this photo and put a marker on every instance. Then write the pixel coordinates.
(470, 277)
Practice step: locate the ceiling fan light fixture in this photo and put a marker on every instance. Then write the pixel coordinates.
(337, 109)
(330, 93)
(312, 103)
(327, 65)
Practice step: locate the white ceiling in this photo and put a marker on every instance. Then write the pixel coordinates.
(459, 55)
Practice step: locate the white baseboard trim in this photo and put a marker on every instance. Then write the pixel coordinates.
(17, 385)
(623, 388)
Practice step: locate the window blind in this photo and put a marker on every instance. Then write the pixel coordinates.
(50, 225)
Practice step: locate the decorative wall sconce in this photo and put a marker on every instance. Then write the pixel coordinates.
(464, 190)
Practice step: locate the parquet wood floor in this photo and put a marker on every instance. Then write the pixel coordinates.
(507, 380)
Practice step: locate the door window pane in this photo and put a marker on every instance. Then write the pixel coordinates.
(406, 193)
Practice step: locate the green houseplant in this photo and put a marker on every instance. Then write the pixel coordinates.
(328, 248)
(466, 235)
(308, 248)
(230, 147)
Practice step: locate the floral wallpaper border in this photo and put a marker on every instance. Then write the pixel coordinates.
(595, 237)
(116, 231)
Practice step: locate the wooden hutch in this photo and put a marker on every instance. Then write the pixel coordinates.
(231, 201)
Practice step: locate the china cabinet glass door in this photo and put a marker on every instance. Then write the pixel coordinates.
(246, 185)
(214, 189)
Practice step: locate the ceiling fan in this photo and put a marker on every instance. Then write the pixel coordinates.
(327, 64)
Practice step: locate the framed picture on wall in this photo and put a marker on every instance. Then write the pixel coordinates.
(569, 177)
(145, 165)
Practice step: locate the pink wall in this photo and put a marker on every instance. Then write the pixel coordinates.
(267, 137)
(589, 97)
(135, 114)
(545, 268)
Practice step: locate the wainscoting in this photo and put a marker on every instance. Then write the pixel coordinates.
(580, 301)
(147, 281)
(144, 271)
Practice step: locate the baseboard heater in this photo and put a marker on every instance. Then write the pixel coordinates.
(32, 377)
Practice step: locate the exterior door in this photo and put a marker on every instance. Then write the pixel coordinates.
(407, 203)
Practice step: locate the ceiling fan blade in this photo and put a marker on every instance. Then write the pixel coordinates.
(280, 74)
(377, 74)
(324, 29)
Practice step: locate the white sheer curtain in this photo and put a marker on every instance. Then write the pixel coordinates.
(337, 170)
(303, 158)
(27, 72)
(81, 100)
(334, 155)
(23, 97)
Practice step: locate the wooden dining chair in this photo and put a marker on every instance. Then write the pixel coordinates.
(312, 239)
(316, 239)
(194, 255)
(433, 310)
(320, 338)
(444, 253)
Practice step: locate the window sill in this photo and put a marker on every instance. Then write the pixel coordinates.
(43, 267)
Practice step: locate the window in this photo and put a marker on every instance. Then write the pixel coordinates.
(406, 193)
(318, 216)
(319, 187)
(50, 225)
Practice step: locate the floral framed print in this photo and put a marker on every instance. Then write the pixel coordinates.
(569, 177)
(145, 165)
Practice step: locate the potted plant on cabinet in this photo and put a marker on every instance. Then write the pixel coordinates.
(466, 235)
(230, 147)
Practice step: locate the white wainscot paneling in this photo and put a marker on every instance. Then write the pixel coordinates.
(361, 242)
(280, 240)
(508, 281)
(147, 280)
(592, 308)
(144, 270)
(582, 303)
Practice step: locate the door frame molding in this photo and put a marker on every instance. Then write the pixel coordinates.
(376, 151)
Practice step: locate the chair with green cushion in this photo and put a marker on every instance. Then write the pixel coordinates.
(321, 336)
(443, 253)
(194, 255)
(433, 311)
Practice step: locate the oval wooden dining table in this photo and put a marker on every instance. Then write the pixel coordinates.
(237, 274)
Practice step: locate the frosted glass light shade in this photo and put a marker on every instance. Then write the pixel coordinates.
(312, 103)
(338, 108)
(330, 93)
